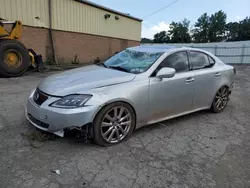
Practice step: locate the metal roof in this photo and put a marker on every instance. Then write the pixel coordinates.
(109, 9)
(154, 48)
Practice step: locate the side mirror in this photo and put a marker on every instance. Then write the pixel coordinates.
(166, 73)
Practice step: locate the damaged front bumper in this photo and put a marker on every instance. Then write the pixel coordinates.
(57, 120)
(40, 125)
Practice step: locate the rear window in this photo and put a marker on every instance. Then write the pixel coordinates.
(199, 60)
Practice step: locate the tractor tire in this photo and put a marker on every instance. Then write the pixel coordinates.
(14, 58)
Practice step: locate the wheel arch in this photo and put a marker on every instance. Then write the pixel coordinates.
(115, 101)
(224, 85)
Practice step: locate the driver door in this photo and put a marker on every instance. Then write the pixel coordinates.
(171, 96)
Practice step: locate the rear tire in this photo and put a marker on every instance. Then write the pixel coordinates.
(20, 58)
(220, 100)
(122, 124)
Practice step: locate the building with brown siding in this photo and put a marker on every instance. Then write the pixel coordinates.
(74, 27)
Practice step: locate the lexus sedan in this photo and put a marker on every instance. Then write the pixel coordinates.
(135, 87)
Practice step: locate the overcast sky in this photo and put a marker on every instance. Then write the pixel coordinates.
(190, 9)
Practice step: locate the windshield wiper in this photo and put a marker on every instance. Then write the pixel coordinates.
(118, 68)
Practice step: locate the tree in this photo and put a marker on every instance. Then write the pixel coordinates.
(161, 37)
(237, 31)
(146, 40)
(210, 28)
(207, 29)
(179, 32)
(200, 33)
(217, 26)
(244, 30)
(233, 31)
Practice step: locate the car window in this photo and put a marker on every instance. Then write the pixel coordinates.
(199, 60)
(211, 61)
(178, 61)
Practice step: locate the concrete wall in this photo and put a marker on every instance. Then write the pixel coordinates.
(71, 15)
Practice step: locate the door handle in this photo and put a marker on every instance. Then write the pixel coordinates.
(189, 80)
(217, 74)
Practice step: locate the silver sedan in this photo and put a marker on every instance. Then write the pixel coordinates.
(136, 87)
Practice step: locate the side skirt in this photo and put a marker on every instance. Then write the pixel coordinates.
(170, 117)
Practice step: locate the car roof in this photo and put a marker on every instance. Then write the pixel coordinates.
(162, 48)
(154, 48)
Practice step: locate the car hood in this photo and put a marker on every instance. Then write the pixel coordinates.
(77, 81)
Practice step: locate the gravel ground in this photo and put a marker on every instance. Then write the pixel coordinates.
(198, 150)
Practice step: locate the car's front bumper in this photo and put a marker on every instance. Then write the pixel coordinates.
(56, 120)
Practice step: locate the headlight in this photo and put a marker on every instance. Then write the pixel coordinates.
(71, 101)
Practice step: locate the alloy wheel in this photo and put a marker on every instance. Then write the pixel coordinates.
(116, 124)
(221, 98)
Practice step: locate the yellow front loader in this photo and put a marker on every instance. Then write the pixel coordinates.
(15, 59)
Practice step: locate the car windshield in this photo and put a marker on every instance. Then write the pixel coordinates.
(132, 61)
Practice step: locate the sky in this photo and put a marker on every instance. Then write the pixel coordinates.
(190, 9)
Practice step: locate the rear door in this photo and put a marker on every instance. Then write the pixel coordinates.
(206, 79)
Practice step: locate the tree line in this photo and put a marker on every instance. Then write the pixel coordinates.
(208, 28)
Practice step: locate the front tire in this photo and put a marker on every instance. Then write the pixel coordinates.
(113, 124)
(220, 101)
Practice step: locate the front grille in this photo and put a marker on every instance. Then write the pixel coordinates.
(38, 122)
(39, 97)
